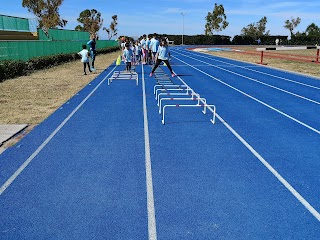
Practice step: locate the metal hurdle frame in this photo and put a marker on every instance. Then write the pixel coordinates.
(159, 90)
(123, 75)
(172, 95)
(162, 86)
(205, 106)
(197, 98)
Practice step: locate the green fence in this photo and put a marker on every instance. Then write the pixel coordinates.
(62, 34)
(25, 50)
(14, 23)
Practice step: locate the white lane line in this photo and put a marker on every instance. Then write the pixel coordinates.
(152, 229)
(295, 193)
(255, 80)
(38, 150)
(255, 99)
(267, 74)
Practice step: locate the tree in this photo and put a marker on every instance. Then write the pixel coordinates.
(112, 30)
(46, 11)
(216, 21)
(91, 20)
(313, 30)
(256, 30)
(292, 24)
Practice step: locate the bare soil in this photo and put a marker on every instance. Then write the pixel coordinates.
(30, 99)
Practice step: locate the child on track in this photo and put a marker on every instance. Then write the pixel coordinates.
(127, 56)
(162, 55)
(85, 58)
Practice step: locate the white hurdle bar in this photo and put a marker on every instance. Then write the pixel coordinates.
(172, 90)
(161, 86)
(182, 99)
(192, 94)
(123, 75)
(212, 108)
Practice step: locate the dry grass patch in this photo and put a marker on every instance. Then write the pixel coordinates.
(249, 54)
(31, 99)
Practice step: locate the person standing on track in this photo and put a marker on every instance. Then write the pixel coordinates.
(154, 45)
(148, 50)
(144, 48)
(162, 55)
(128, 56)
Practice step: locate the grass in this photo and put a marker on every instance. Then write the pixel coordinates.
(31, 99)
(299, 61)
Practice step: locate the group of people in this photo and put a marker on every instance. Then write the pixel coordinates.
(86, 54)
(146, 50)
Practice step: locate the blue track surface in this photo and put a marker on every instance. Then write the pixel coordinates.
(103, 166)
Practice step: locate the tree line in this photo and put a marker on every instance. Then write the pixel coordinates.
(47, 13)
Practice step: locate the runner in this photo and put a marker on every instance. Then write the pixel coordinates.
(162, 55)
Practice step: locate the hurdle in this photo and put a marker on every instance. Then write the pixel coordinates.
(123, 75)
(212, 108)
(172, 90)
(164, 86)
(178, 93)
(175, 95)
(286, 49)
(198, 98)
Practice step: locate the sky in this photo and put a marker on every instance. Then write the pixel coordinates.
(136, 18)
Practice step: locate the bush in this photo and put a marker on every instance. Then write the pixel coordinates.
(12, 68)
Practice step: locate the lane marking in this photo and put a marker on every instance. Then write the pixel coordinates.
(295, 193)
(267, 74)
(255, 80)
(287, 185)
(152, 229)
(255, 99)
(39, 149)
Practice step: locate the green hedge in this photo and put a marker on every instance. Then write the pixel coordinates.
(12, 68)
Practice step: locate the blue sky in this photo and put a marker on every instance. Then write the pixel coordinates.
(164, 16)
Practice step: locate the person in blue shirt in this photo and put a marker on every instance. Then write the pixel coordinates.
(162, 55)
(154, 45)
(128, 56)
(92, 44)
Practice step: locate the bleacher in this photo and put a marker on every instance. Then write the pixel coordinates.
(15, 35)
(15, 28)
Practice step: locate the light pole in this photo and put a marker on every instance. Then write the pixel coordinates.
(182, 13)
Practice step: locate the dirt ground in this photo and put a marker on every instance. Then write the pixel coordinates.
(300, 61)
(30, 99)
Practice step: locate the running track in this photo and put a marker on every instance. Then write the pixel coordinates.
(104, 167)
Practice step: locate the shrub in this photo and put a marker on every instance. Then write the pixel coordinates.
(12, 68)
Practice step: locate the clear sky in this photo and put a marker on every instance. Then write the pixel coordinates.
(164, 16)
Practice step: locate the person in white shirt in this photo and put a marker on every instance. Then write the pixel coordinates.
(143, 43)
(148, 48)
(85, 58)
(162, 55)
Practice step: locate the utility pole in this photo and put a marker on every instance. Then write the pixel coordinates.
(182, 13)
